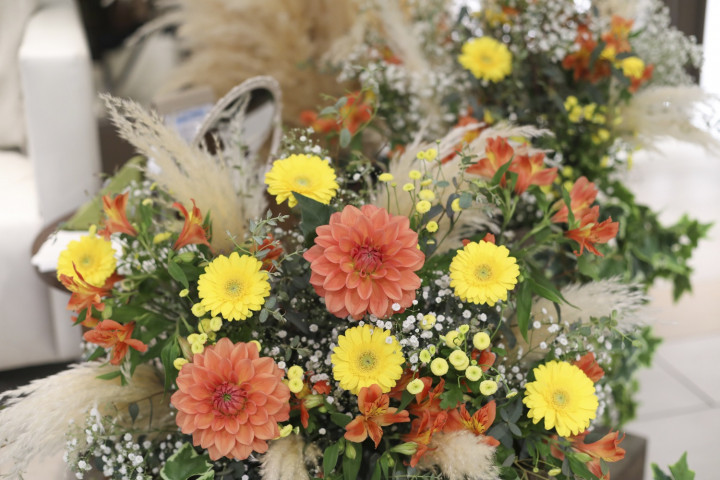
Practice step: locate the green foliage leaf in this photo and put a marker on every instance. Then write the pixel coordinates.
(451, 397)
(330, 458)
(340, 419)
(177, 274)
(169, 353)
(345, 137)
(110, 376)
(524, 305)
(99, 352)
(351, 464)
(185, 464)
(680, 470)
(313, 214)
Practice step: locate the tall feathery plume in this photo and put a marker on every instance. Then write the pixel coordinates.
(401, 165)
(189, 173)
(285, 460)
(662, 112)
(591, 300)
(459, 456)
(230, 41)
(35, 418)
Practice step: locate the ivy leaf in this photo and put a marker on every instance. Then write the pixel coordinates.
(680, 470)
(185, 464)
(313, 214)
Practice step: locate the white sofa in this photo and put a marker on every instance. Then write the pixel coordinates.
(50, 61)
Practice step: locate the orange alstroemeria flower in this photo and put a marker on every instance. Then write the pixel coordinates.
(375, 413)
(619, 33)
(469, 136)
(274, 251)
(579, 61)
(497, 153)
(116, 217)
(591, 232)
(582, 195)
(428, 401)
(356, 112)
(310, 118)
(485, 359)
(192, 232)
(86, 297)
(322, 387)
(422, 431)
(635, 83)
(478, 423)
(111, 334)
(590, 367)
(531, 171)
(606, 449)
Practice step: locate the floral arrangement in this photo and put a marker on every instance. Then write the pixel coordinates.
(408, 288)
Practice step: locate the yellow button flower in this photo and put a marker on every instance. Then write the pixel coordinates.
(481, 340)
(439, 367)
(386, 177)
(423, 206)
(416, 386)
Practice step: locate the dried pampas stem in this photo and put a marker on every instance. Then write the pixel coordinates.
(191, 173)
(232, 40)
(460, 455)
(35, 418)
(591, 300)
(662, 112)
(285, 460)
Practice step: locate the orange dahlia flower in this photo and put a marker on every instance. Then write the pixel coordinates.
(116, 221)
(364, 261)
(230, 399)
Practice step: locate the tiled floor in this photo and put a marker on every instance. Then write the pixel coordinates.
(680, 395)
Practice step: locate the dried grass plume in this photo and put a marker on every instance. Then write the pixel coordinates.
(459, 456)
(230, 41)
(232, 194)
(285, 460)
(35, 418)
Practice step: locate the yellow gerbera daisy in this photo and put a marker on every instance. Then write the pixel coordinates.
(486, 58)
(562, 395)
(483, 272)
(365, 356)
(234, 286)
(307, 175)
(93, 256)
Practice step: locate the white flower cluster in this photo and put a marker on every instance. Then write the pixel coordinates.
(546, 27)
(664, 46)
(100, 445)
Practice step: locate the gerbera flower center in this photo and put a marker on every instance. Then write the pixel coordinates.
(560, 398)
(234, 288)
(302, 181)
(483, 272)
(367, 361)
(86, 261)
(367, 259)
(228, 399)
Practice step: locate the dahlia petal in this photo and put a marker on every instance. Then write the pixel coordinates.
(259, 418)
(244, 369)
(365, 288)
(355, 304)
(265, 366)
(206, 438)
(245, 434)
(232, 425)
(335, 281)
(264, 431)
(264, 383)
(391, 289)
(258, 398)
(353, 280)
(218, 423)
(204, 420)
(224, 442)
(334, 301)
(241, 452)
(260, 446)
(334, 254)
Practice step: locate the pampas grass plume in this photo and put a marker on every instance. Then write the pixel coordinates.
(285, 460)
(34, 419)
(460, 455)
